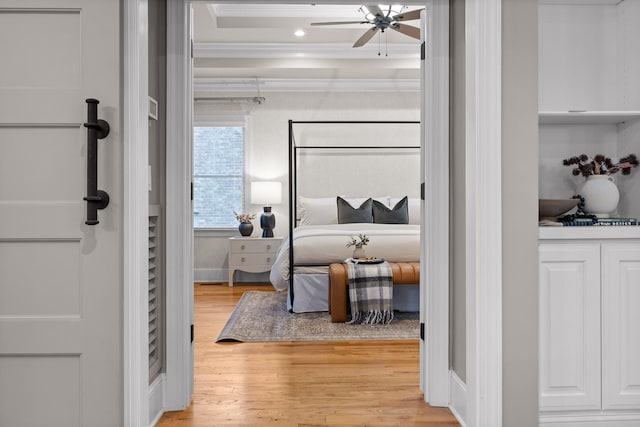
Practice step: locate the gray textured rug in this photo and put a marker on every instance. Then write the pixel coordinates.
(262, 316)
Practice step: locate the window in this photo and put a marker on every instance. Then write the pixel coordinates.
(218, 174)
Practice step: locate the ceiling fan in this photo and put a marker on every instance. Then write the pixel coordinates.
(383, 17)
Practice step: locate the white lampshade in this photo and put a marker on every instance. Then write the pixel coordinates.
(266, 193)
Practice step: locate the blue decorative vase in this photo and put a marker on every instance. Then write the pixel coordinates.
(246, 228)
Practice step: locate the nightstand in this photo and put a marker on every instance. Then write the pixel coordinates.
(252, 254)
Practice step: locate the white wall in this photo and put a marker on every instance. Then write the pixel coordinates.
(268, 150)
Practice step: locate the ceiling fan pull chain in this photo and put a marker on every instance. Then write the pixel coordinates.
(386, 45)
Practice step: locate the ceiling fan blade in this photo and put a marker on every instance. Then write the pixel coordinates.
(408, 16)
(366, 37)
(407, 30)
(375, 9)
(340, 23)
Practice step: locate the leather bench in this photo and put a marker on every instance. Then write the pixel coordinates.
(404, 273)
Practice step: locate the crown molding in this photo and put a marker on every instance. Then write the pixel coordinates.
(287, 10)
(261, 85)
(305, 50)
(581, 2)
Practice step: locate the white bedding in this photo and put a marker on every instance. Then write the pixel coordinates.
(324, 244)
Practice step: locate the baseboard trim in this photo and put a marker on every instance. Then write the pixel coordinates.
(458, 398)
(600, 419)
(210, 275)
(156, 399)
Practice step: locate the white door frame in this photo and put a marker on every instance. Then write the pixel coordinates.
(483, 319)
(483, 188)
(178, 211)
(179, 236)
(483, 215)
(135, 140)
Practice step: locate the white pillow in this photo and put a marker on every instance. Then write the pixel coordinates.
(324, 210)
(317, 211)
(414, 208)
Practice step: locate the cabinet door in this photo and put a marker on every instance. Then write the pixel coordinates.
(569, 326)
(621, 326)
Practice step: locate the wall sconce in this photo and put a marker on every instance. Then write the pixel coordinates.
(266, 193)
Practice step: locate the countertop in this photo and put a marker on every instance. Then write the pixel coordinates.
(589, 232)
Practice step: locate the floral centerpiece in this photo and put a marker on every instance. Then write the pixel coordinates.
(245, 227)
(600, 165)
(361, 241)
(358, 243)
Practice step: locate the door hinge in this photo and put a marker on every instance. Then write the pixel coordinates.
(192, 49)
(192, 333)
(192, 191)
(422, 51)
(422, 331)
(422, 191)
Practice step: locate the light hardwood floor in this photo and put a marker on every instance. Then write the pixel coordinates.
(349, 383)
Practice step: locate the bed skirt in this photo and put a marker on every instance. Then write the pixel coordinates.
(311, 293)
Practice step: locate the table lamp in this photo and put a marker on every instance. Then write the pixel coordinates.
(266, 193)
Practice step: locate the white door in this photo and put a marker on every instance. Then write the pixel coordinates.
(60, 279)
(434, 285)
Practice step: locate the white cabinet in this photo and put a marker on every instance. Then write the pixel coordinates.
(589, 97)
(252, 254)
(590, 332)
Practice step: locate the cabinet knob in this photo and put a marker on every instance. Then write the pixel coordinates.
(242, 247)
(268, 247)
(242, 259)
(268, 259)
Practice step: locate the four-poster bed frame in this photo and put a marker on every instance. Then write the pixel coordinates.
(293, 181)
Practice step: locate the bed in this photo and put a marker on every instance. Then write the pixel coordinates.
(316, 246)
(336, 168)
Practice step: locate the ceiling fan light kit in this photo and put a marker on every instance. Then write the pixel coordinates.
(383, 17)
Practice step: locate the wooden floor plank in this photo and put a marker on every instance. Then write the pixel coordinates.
(347, 383)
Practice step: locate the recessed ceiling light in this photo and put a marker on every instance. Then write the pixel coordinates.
(299, 33)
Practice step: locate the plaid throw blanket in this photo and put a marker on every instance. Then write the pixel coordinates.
(371, 293)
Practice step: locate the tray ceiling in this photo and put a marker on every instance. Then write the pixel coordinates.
(243, 40)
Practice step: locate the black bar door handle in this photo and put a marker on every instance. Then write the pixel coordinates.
(96, 129)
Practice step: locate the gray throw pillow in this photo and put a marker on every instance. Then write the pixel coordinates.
(398, 215)
(348, 214)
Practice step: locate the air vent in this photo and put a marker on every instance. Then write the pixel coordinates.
(155, 295)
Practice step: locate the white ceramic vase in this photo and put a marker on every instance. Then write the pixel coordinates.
(358, 252)
(601, 195)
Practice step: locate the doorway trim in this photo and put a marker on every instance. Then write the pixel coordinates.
(135, 272)
(179, 233)
(483, 188)
(178, 210)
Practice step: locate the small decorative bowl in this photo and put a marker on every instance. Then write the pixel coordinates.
(552, 208)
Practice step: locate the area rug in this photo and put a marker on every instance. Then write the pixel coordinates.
(262, 316)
